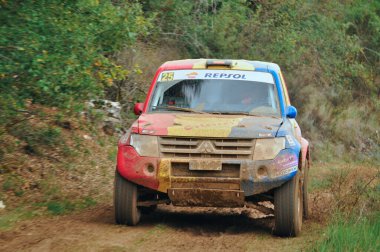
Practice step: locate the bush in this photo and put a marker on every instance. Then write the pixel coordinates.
(60, 53)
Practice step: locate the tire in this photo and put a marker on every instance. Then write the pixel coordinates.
(288, 208)
(125, 202)
(306, 212)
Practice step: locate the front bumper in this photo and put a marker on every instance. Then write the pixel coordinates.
(240, 177)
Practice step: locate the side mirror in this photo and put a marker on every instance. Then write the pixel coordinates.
(291, 112)
(138, 108)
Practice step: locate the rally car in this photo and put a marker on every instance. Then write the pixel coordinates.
(215, 133)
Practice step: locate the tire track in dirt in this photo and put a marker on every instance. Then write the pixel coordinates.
(167, 229)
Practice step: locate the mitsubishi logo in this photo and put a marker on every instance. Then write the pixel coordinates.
(206, 147)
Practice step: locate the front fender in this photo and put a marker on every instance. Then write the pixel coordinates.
(304, 150)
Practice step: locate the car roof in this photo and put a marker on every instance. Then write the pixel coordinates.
(240, 64)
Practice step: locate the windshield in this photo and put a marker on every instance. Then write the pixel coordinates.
(216, 91)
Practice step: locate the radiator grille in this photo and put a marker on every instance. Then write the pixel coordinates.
(217, 148)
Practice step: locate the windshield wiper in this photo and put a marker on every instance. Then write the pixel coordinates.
(239, 113)
(179, 109)
(231, 113)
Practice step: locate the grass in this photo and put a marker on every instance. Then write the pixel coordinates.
(321, 175)
(353, 211)
(55, 207)
(112, 154)
(59, 207)
(13, 182)
(351, 235)
(7, 220)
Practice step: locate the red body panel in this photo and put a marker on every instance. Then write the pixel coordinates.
(159, 123)
(134, 167)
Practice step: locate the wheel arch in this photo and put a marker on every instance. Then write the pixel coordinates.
(304, 158)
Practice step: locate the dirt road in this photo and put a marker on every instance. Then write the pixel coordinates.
(167, 229)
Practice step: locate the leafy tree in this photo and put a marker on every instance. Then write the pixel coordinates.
(59, 53)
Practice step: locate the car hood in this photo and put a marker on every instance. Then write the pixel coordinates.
(208, 125)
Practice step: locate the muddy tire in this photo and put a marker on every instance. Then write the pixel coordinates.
(288, 208)
(305, 190)
(125, 202)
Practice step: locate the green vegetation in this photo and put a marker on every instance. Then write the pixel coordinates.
(20, 213)
(351, 205)
(56, 207)
(355, 234)
(13, 183)
(61, 53)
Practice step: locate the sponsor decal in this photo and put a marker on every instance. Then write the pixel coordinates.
(235, 76)
(207, 125)
(285, 165)
(167, 76)
(286, 161)
(192, 75)
(286, 171)
(290, 140)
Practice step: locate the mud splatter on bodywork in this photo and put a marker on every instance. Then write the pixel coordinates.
(206, 125)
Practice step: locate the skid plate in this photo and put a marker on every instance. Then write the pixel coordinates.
(206, 197)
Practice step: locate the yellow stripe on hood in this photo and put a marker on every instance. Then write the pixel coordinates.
(203, 126)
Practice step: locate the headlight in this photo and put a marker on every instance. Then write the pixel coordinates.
(268, 148)
(145, 145)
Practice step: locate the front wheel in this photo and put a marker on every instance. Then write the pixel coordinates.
(125, 202)
(288, 208)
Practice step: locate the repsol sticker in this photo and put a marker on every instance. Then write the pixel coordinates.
(225, 76)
